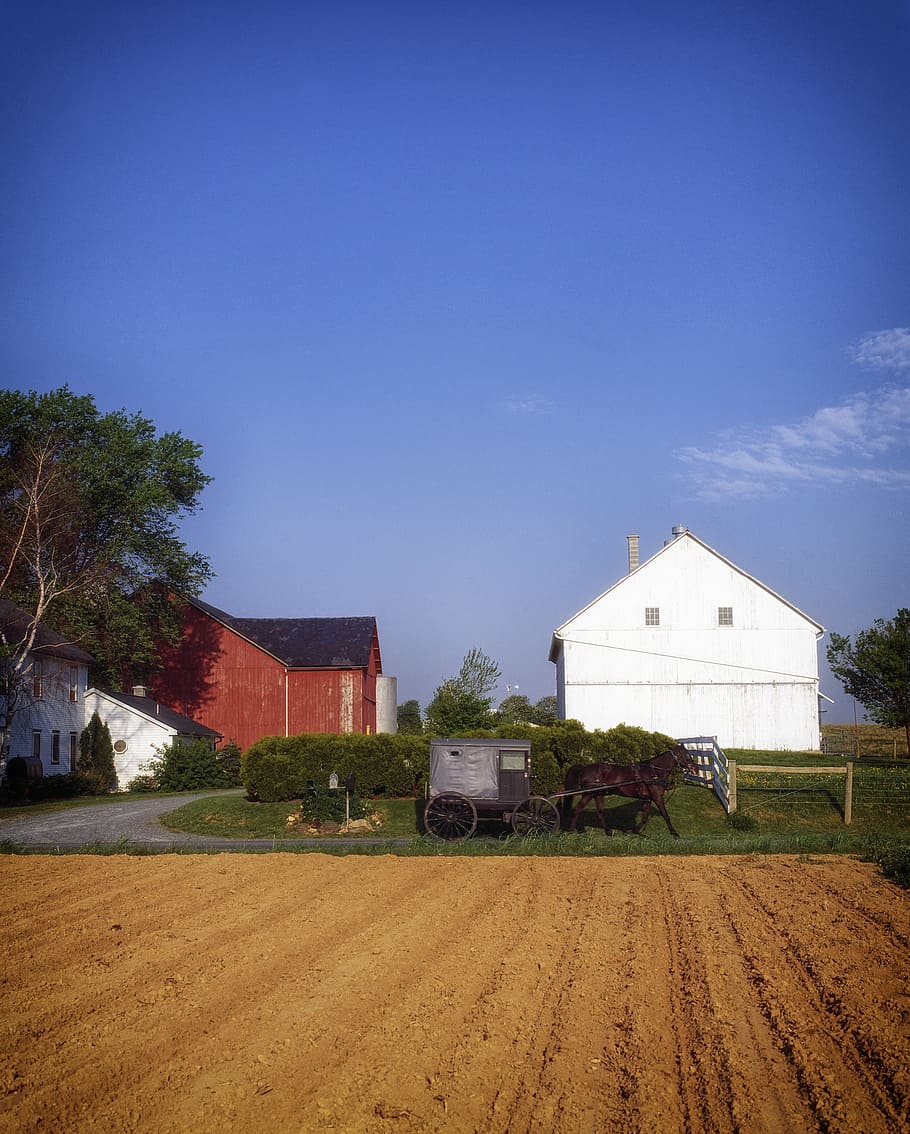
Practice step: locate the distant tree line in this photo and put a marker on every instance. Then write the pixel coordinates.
(464, 704)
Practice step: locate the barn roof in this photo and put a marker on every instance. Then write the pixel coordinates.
(555, 642)
(14, 622)
(154, 710)
(305, 643)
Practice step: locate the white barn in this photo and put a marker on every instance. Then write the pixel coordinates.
(689, 644)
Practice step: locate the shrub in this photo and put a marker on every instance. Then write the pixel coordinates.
(228, 757)
(321, 803)
(69, 785)
(188, 767)
(279, 767)
(96, 754)
(144, 783)
(894, 861)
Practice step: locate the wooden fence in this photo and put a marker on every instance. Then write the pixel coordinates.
(712, 766)
(780, 770)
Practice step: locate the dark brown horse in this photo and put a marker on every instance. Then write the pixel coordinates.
(646, 781)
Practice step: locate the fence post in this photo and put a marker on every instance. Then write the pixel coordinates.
(848, 795)
(731, 786)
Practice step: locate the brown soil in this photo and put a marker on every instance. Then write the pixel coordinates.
(306, 993)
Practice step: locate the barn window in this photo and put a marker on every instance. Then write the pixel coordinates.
(652, 616)
(725, 616)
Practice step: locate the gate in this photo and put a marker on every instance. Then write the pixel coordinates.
(713, 769)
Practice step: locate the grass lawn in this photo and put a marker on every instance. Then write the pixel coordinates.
(770, 821)
(227, 816)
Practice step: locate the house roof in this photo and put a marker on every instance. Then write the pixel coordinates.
(304, 643)
(686, 535)
(154, 711)
(14, 622)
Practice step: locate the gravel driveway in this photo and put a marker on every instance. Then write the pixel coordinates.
(135, 822)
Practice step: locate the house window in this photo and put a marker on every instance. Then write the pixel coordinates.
(55, 747)
(74, 747)
(37, 682)
(725, 616)
(36, 744)
(652, 616)
(74, 684)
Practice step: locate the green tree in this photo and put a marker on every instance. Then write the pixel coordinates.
(545, 711)
(515, 709)
(478, 674)
(89, 509)
(874, 667)
(410, 722)
(464, 704)
(96, 754)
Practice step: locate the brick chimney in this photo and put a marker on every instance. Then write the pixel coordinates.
(633, 552)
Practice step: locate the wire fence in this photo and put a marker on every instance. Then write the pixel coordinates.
(877, 791)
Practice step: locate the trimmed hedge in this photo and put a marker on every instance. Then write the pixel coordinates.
(281, 767)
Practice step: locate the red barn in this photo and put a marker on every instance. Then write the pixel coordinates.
(253, 677)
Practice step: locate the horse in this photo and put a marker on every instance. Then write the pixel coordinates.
(646, 781)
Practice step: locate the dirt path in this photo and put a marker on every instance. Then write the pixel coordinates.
(308, 993)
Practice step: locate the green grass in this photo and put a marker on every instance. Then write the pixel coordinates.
(772, 819)
(776, 820)
(235, 816)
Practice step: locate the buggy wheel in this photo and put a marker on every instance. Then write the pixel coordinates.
(535, 816)
(450, 815)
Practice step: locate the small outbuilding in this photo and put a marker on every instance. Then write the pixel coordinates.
(140, 728)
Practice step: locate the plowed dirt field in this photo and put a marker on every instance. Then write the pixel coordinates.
(308, 993)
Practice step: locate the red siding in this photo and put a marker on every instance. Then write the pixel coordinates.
(221, 680)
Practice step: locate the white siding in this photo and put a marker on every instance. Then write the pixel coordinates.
(753, 684)
(53, 711)
(143, 736)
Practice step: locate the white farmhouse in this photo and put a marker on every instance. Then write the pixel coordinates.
(47, 713)
(52, 704)
(688, 644)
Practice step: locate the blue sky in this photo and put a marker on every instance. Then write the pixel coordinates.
(455, 296)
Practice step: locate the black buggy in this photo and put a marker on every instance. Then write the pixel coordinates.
(473, 780)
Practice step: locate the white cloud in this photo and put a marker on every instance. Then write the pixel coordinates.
(530, 405)
(862, 440)
(885, 350)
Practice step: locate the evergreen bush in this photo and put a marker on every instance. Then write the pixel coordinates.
(96, 755)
